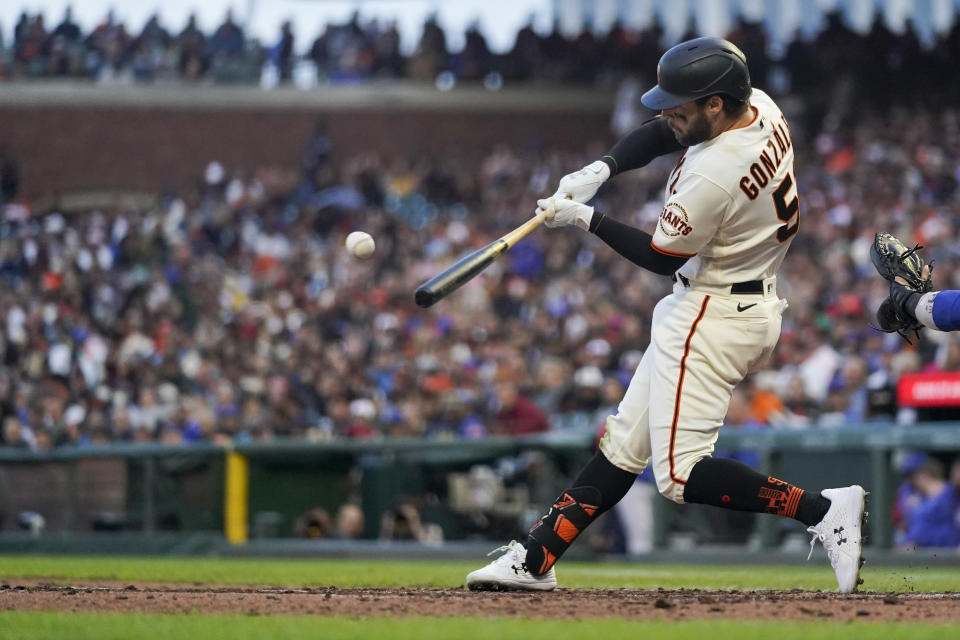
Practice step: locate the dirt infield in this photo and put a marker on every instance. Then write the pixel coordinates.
(27, 595)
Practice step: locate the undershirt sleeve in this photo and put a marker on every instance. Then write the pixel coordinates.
(634, 245)
(650, 140)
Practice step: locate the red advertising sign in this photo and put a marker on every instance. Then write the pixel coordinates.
(941, 389)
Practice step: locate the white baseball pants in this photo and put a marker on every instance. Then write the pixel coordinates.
(701, 346)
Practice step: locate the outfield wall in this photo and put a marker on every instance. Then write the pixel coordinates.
(155, 490)
(76, 137)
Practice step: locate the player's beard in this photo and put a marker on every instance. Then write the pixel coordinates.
(699, 130)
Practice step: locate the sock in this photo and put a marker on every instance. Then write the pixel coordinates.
(599, 486)
(733, 485)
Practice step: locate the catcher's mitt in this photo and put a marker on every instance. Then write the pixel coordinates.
(894, 259)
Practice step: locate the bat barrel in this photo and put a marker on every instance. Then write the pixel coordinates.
(454, 276)
(426, 294)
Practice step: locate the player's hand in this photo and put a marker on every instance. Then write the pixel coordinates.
(581, 186)
(561, 212)
(924, 275)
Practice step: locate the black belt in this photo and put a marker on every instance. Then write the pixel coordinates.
(754, 286)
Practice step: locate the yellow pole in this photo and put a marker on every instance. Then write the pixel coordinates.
(235, 523)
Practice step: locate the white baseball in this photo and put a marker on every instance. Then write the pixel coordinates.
(360, 244)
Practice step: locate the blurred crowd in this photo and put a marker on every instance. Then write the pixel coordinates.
(233, 313)
(882, 65)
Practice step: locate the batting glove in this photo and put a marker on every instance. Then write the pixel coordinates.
(560, 212)
(582, 185)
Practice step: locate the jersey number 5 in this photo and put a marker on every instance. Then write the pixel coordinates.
(786, 209)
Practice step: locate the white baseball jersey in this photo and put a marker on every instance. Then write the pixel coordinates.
(732, 207)
(731, 202)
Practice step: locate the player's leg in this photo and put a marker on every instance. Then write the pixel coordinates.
(624, 452)
(835, 517)
(698, 374)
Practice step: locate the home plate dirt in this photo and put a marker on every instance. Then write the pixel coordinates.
(25, 595)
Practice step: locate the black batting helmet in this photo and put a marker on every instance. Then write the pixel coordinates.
(698, 68)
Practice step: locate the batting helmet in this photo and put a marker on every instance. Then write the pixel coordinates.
(698, 68)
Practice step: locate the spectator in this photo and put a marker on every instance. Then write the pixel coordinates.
(14, 434)
(349, 522)
(360, 425)
(516, 414)
(282, 53)
(404, 523)
(191, 44)
(907, 496)
(227, 42)
(314, 524)
(586, 392)
(935, 520)
(431, 55)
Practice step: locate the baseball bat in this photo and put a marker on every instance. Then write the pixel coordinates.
(454, 276)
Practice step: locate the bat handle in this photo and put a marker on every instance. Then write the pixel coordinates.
(522, 231)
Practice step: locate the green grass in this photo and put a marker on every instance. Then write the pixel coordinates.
(82, 626)
(69, 569)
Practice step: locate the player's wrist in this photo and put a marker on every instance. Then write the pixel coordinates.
(599, 169)
(905, 299)
(923, 311)
(595, 219)
(611, 163)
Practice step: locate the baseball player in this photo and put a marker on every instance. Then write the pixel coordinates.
(730, 213)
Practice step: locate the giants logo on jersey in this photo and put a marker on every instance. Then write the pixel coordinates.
(674, 220)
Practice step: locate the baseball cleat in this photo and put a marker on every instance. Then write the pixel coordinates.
(509, 573)
(840, 532)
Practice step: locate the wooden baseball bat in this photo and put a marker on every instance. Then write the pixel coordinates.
(451, 278)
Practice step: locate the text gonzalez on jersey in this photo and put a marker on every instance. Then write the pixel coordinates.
(765, 168)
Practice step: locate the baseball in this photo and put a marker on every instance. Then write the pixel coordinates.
(360, 244)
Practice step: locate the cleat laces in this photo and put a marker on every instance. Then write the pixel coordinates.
(508, 558)
(833, 552)
(506, 547)
(813, 540)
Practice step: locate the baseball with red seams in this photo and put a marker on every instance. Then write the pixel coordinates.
(360, 244)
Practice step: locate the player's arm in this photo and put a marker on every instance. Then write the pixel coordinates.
(936, 309)
(633, 244)
(650, 140)
(685, 226)
(636, 245)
